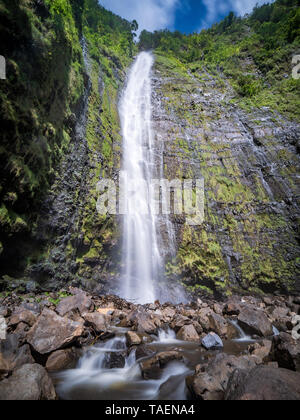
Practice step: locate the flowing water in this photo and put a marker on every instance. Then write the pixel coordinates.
(95, 379)
(111, 371)
(142, 260)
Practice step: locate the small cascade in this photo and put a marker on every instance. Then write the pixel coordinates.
(243, 337)
(95, 379)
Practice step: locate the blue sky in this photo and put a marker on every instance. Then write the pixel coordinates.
(185, 15)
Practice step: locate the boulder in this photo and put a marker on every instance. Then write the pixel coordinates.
(22, 330)
(212, 342)
(280, 313)
(286, 352)
(79, 301)
(4, 311)
(143, 351)
(210, 381)
(255, 322)
(52, 332)
(168, 314)
(261, 350)
(144, 322)
(115, 361)
(61, 359)
(97, 321)
(29, 383)
(188, 333)
(231, 309)
(218, 324)
(179, 321)
(203, 318)
(152, 368)
(12, 356)
(3, 328)
(263, 383)
(23, 315)
(133, 339)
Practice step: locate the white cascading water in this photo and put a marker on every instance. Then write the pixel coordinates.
(141, 256)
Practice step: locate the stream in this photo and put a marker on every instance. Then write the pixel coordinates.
(97, 378)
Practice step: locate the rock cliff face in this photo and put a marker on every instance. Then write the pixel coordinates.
(250, 162)
(61, 134)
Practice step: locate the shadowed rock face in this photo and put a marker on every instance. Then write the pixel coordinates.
(249, 160)
(264, 384)
(29, 383)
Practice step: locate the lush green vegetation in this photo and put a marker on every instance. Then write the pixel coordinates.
(44, 88)
(254, 53)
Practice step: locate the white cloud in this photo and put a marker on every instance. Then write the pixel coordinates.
(215, 8)
(150, 14)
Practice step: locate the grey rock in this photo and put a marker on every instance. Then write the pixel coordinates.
(212, 341)
(29, 383)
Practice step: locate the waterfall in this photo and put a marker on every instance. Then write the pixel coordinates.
(142, 260)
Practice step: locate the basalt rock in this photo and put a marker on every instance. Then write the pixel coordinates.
(218, 324)
(52, 332)
(212, 342)
(133, 339)
(286, 352)
(79, 301)
(29, 383)
(23, 315)
(62, 359)
(188, 333)
(211, 380)
(152, 368)
(255, 322)
(12, 355)
(264, 383)
(97, 321)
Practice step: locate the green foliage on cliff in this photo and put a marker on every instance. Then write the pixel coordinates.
(46, 80)
(254, 53)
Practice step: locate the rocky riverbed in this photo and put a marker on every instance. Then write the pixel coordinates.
(243, 348)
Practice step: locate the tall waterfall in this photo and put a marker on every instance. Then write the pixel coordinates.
(141, 255)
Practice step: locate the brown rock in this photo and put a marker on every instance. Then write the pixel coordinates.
(61, 359)
(188, 333)
(203, 318)
(232, 309)
(80, 302)
(133, 339)
(22, 315)
(144, 322)
(261, 350)
(12, 356)
(218, 324)
(151, 368)
(29, 383)
(106, 311)
(286, 351)
(264, 383)
(179, 321)
(280, 313)
(255, 322)
(210, 381)
(52, 332)
(97, 321)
